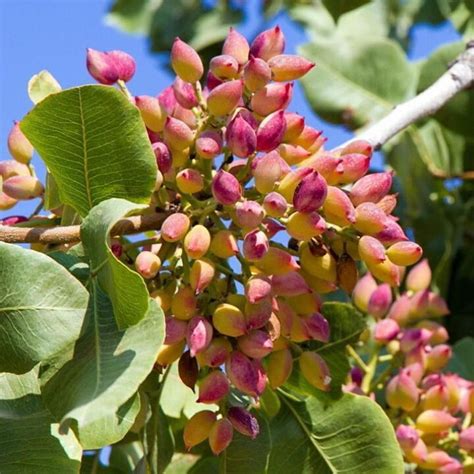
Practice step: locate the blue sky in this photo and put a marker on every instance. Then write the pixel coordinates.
(54, 34)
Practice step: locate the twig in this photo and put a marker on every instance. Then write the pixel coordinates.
(457, 78)
(70, 234)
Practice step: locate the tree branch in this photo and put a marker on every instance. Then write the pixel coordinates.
(458, 77)
(70, 234)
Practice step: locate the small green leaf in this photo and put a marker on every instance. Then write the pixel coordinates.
(357, 79)
(107, 368)
(31, 442)
(351, 436)
(90, 138)
(39, 299)
(41, 85)
(125, 456)
(339, 7)
(462, 362)
(125, 288)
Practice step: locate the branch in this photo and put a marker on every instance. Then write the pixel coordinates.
(458, 77)
(70, 234)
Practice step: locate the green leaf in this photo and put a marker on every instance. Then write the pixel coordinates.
(125, 287)
(133, 16)
(346, 325)
(339, 7)
(125, 457)
(356, 79)
(31, 442)
(352, 435)
(107, 368)
(41, 85)
(462, 362)
(160, 439)
(90, 138)
(111, 428)
(42, 308)
(245, 455)
(456, 115)
(52, 199)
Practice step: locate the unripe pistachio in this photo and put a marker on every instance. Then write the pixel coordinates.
(317, 327)
(257, 74)
(147, 264)
(289, 284)
(226, 188)
(270, 131)
(363, 290)
(274, 328)
(255, 245)
(242, 373)
(209, 144)
(175, 330)
(197, 242)
(13, 220)
(257, 315)
(213, 388)
(189, 181)
(386, 272)
(407, 437)
(201, 274)
(271, 98)
(170, 353)
(299, 331)
(6, 202)
(380, 300)
(371, 188)
(293, 154)
(236, 46)
(305, 304)
(418, 454)
(216, 353)
(362, 147)
(279, 367)
(229, 320)
(438, 357)
(437, 305)
(188, 370)
(241, 137)
(369, 218)
(108, 67)
(452, 467)
(275, 204)
(277, 262)
(185, 94)
(262, 378)
(19, 146)
(392, 233)
(268, 44)
(186, 116)
(310, 193)
(315, 370)
(258, 288)
(197, 428)
(386, 330)
(318, 285)
(290, 182)
(175, 227)
(224, 66)
(186, 62)
(310, 139)
(224, 244)
(11, 168)
(255, 344)
(355, 165)
(402, 392)
(285, 314)
(220, 435)
(151, 111)
(271, 227)
(329, 166)
(321, 266)
(347, 273)
(177, 134)
(184, 303)
(223, 99)
(419, 277)
(289, 67)
(212, 81)
(338, 208)
(435, 421)
(413, 338)
(294, 126)
(163, 297)
(435, 397)
(267, 170)
(249, 214)
(163, 156)
(466, 439)
(439, 334)
(243, 421)
(198, 334)
(419, 303)
(23, 187)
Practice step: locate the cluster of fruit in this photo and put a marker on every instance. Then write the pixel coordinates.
(431, 410)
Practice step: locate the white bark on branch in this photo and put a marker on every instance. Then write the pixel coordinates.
(458, 77)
